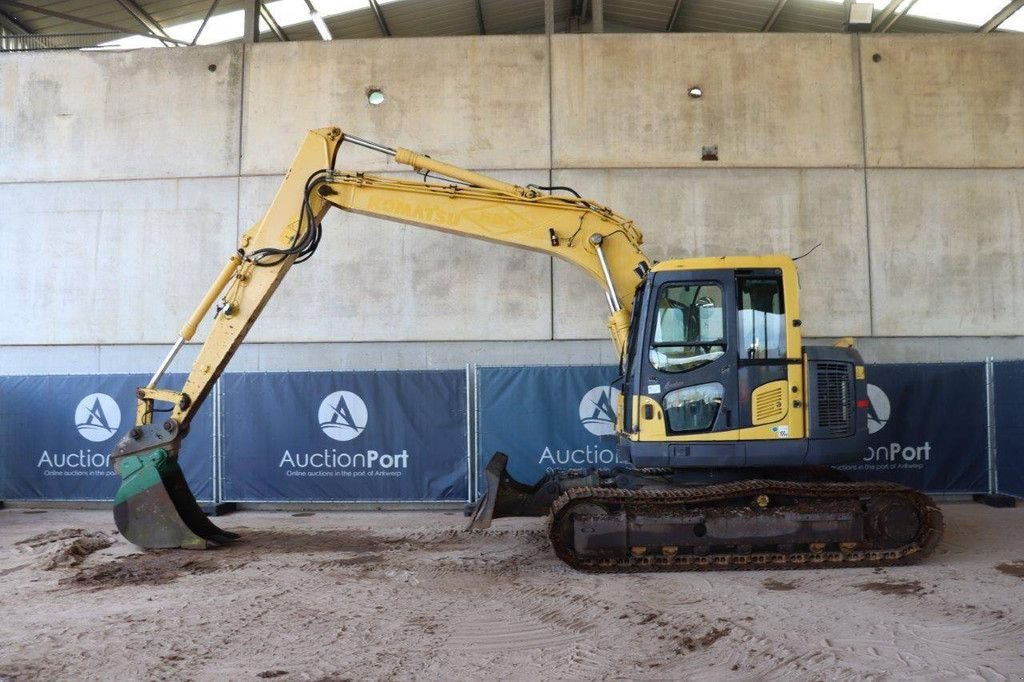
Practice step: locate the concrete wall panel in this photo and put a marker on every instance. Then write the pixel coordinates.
(142, 114)
(477, 102)
(376, 280)
(947, 252)
(944, 101)
(769, 100)
(304, 357)
(685, 213)
(110, 262)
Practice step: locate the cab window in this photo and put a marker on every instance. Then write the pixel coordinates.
(689, 327)
(693, 408)
(762, 319)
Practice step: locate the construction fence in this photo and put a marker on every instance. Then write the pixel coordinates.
(424, 436)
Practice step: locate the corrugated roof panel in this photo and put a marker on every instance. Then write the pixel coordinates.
(459, 17)
(724, 15)
(810, 16)
(522, 16)
(358, 24)
(647, 15)
(431, 17)
(170, 13)
(501, 16)
(104, 12)
(908, 24)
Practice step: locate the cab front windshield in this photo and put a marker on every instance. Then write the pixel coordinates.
(689, 329)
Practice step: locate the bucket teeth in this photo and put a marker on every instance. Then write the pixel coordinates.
(155, 508)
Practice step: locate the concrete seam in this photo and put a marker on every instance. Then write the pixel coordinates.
(241, 146)
(241, 107)
(551, 182)
(867, 203)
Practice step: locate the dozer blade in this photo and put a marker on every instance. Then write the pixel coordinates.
(155, 508)
(506, 496)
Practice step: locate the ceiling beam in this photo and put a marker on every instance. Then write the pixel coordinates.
(885, 14)
(251, 21)
(84, 21)
(147, 21)
(480, 17)
(575, 16)
(1001, 16)
(379, 14)
(272, 23)
(209, 13)
(12, 24)
(774, 16)
(678, 5)
(896, 16)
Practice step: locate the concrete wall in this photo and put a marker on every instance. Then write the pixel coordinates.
(126, 178)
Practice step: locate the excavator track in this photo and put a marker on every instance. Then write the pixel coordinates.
(752, 524)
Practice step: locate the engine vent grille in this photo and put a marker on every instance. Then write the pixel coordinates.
(769, 403)
(835, 398)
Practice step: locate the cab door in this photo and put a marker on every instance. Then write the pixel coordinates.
(689, 361)
(764, 365)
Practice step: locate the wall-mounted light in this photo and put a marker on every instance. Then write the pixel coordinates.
(375, 96)
(695, 92)
(857, 16)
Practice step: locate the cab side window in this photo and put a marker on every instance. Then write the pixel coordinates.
(689, 329)
(762, 318)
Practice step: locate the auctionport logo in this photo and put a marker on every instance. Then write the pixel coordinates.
(879, 409)
(97, 417)
(597, 410)
(343, 415)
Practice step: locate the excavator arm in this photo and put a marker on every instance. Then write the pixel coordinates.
(154, 506)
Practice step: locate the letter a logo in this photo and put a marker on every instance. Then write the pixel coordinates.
(343, 415)
(879, 409)
(597, 410)
(97, 417)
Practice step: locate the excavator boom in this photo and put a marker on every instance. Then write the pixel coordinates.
(154, 507)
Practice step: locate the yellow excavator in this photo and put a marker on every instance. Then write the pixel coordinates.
(728, 425)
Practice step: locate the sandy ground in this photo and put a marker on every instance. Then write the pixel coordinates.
(397, 595)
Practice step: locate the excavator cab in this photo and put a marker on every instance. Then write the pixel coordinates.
(717, 386)
(716, 374)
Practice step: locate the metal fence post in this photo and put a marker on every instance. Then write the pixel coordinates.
(470, 450)
(990, 408)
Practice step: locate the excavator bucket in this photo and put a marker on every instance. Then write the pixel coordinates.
(154, 506)
(505, 496)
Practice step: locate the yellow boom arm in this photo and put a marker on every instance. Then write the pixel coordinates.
(603, 243)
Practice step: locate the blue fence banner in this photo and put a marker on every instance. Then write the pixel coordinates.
(344, 437)
(1009, 410)
(928, 427)
(57, 432)
(546, 418)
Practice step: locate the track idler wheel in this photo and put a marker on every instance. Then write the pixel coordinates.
(155, 508)
(896, 521)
